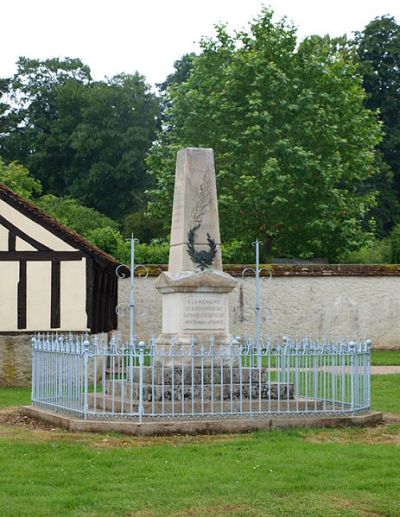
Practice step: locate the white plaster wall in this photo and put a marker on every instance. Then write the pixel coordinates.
(73, 295)
(9, 276)
(38, 295)
(3, 238)
(21, 245)
(34, 230)
(298, 306)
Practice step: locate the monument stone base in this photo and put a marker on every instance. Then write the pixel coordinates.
(195, 310)
(202, 384)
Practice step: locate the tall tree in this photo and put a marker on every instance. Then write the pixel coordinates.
(378, 48)
(81, 138)
(116, 130)
(293, 141)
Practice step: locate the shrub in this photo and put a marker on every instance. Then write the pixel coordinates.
(395, 245)
(375, 252)
(109, 240)
(238, 252)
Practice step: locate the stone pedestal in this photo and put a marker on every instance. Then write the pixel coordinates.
(195, 307)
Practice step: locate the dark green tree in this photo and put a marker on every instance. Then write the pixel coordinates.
(378, 48)
(294, 144)
(81, 138)
(43, 108)
(183, 67)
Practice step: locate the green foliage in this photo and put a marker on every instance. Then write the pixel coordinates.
(378, 47)
(109, 240)
(386, 212)
(374, 252)
(237, 252)
(16, 177)
(81, 138)
(156, 253)
(183, 67)
(395, 245)
(143, 227)
(293, 142)
(73, 214)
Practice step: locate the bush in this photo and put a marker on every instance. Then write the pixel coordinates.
(238, 252)
(157, 253)
(395, 245)
(109, 240)
(375, 252)
(143, 227)
(75, 215)
(16, 177)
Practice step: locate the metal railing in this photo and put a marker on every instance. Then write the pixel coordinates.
(91, 378)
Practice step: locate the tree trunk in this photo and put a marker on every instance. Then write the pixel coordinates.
(266, 250)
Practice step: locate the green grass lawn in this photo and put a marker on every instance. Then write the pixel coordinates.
(385, 393)
(347, 472)
(14, 397)
(385, 357)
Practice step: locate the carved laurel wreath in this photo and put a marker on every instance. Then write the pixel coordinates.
(203, 259)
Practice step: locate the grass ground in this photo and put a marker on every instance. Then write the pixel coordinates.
(348, 472)
(385, 357)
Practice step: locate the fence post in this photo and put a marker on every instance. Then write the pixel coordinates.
(86, 380)
(368, 379)
(33, 393)
(141, 365)
(352, 394)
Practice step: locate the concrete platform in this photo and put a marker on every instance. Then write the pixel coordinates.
(117, 405)
(155, 427)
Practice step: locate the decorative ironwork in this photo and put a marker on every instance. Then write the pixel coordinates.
(257, 270)
(203, 259)
(122, 272)
(85, 376)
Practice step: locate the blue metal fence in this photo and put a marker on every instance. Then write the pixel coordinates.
(91, 378)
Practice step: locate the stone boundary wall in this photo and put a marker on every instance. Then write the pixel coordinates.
(312, 300)
(300, 300)
(278, 270)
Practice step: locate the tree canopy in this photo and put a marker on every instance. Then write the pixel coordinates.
(294, 144)
(81, 138)
(378, 48)
(17, 178)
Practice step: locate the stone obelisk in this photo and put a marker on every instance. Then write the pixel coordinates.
(195, 289)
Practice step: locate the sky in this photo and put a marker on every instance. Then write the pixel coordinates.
(149, 35)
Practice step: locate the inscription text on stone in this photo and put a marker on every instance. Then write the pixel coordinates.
(202, 312)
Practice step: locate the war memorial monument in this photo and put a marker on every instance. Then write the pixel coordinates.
(195, 376)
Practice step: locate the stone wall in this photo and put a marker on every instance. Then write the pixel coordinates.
(316, 301)
(15, 359)
(332, 301)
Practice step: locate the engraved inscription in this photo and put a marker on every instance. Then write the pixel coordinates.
(204, 312)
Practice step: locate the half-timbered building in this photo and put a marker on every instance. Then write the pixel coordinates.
(50, 277)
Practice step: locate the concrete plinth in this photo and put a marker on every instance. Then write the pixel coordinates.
(205, 425)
